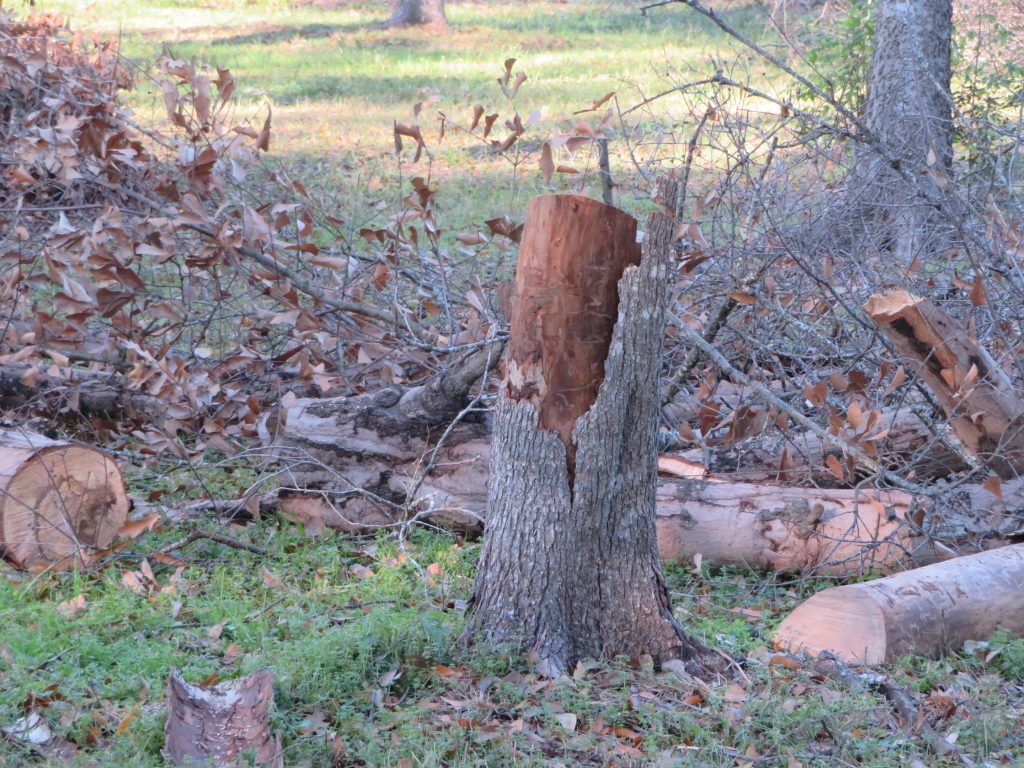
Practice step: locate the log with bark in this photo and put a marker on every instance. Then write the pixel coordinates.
(58, 501)
(926, 611)
(357, 464)
(61, 390)
(984, 410)
(107, 395)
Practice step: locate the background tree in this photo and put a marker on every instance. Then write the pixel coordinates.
(418, 12)
(908, 110)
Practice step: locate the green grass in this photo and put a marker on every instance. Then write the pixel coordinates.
(308, 609)
(332, 631)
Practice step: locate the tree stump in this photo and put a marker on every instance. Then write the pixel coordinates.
(57, 501)
(214, 727)
(570, 567)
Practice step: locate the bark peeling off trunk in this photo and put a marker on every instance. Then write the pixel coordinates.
(574, 573)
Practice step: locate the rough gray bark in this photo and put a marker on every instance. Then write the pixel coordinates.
(909, 111)
(418, 12)
(909, 105)
(571, 572)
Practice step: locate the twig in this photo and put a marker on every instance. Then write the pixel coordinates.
(299, 281)
(606, 173)
(727, 306)
(227, 541)
(912, 720)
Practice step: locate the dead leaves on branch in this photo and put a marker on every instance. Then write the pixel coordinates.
(148, 252)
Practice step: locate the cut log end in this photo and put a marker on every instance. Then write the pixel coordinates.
(927, 611)
(57, 501)
(842, 621)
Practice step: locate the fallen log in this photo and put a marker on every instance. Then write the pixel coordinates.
(100, 394)
(58, 501)
(839, 532)
(984, 410)
(342, 473)
(55, 391)
(359, 464)
(216, 727)
(926, 611)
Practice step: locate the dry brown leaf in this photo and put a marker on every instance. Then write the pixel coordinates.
(993, 485)
(835, 467)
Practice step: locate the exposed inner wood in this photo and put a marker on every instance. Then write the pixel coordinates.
(58, 500)
(572, 255)
(984, 410)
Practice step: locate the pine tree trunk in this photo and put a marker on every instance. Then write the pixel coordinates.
(908, 110)
(570, 565)
(418, 12)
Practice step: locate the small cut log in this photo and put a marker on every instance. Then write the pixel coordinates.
(984, 410)
(58, 501)
(926, 611)
(215, 727)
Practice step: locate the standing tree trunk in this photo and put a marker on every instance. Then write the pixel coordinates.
(418, 12)
(570, 565)
(909, 104)
(909, 111)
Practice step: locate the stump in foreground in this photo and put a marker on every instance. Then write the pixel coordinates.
(215, 727)
(570, 567)
(58, 501)
(926, 611)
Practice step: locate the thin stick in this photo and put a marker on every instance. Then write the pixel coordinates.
(606, 173)
(227, 541)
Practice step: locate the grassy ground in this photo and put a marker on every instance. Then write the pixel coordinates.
(362, 635)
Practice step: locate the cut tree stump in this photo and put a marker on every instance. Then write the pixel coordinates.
(984, 410)
(58, 501)
(215, 727)
(926, 611)
(569, 567)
